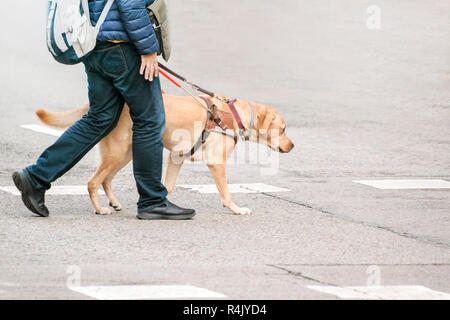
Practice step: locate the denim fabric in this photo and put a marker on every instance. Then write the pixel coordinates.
(113, 78)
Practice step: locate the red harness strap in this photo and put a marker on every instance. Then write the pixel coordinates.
(236, 115)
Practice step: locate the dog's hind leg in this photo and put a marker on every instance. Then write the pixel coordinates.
(172, 171)
(218, 172)
(107, 183)
(94, 184)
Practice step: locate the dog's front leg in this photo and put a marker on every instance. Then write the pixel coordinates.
(218, 172)
(172, 171)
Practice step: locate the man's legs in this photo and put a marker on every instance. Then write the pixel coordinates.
(113, 76)
(147, 112)
(106, 105)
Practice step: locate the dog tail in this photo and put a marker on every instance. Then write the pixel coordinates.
(63, 119)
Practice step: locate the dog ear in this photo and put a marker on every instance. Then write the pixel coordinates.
(267, 119)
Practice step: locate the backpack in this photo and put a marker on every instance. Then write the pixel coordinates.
(159, 18)
(70, 34)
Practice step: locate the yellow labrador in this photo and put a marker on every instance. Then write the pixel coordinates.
(185, 120)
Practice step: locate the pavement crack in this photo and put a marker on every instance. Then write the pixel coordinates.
(364, 223)
(323, 283)
(365, 264)
(300, 275)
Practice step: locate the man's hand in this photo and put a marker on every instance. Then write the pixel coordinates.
(149, 66)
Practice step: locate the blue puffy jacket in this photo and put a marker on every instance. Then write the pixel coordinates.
(127, 20)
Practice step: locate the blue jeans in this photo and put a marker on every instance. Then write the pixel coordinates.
(113, 78)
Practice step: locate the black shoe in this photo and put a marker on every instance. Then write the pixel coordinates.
(167, 211)
(34, 199)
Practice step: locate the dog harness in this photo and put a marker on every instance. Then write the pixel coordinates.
(222, 122)
(218, 121)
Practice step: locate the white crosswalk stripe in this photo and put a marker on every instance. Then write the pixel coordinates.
(235, 188)
(43, 129)
(56, 190)
(141, 292)
(383, 292)
(406, 184)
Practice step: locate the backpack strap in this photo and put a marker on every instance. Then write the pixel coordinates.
(86, 10)
(104, 14)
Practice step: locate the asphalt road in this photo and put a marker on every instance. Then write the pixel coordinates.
(360, 103)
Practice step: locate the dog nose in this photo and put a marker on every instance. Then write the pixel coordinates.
(292, 147)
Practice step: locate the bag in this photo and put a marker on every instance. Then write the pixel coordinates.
(159, 18)
(70, 34)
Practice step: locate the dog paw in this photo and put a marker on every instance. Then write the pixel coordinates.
(243, 211)
(116, 207)
(104, 211)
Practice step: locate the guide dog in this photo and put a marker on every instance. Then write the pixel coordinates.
(184, 116)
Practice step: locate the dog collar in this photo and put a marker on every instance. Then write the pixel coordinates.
(236, 116)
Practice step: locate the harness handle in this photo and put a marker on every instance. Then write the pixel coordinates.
(209, 93)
